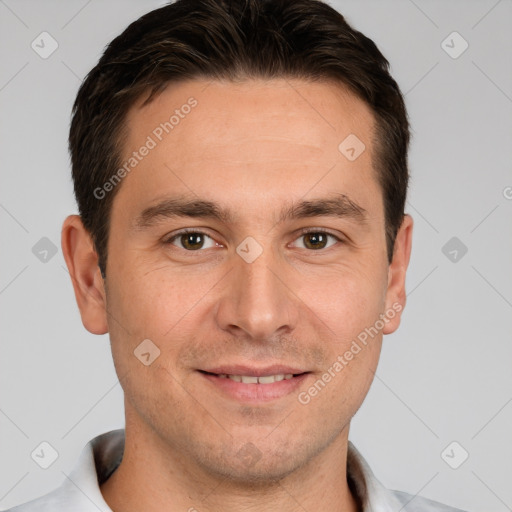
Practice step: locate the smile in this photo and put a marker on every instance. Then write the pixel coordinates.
(252, 379)
(249, 385)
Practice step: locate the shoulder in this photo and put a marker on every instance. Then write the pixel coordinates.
(64, 498)
(375, 496)
(80, 490)
(412, 503)
(52, 501)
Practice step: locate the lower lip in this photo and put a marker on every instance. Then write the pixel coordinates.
(256, 392)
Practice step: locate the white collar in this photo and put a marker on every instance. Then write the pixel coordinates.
(80, 490)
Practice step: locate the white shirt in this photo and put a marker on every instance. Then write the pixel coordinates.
(102, 455)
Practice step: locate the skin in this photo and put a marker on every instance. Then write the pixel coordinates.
(251, 147)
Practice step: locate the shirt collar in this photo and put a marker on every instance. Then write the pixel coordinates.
(373, 496)
(102, 455)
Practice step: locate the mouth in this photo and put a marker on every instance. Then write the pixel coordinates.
(252, 384)
(253, 379)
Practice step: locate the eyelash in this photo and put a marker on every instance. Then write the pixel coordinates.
(169, 241)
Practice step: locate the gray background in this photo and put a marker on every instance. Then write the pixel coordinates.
(445, 376)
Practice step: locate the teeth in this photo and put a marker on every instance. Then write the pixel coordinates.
(249, 379)
(268, 379)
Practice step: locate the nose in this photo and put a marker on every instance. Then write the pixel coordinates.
(258, 301)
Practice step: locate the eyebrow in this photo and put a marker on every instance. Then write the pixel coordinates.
(339, 206)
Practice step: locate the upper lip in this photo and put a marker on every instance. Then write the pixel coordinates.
(254, 371)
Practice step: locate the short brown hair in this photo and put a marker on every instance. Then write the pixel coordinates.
(234, 40)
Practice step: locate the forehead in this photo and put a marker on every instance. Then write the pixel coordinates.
(263, 105)
(275, 138)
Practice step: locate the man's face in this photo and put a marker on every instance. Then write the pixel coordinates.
(248, 293)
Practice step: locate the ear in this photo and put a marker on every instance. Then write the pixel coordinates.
(82, 262)
(395, 294)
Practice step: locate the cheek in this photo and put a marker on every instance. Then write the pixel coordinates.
(348, 300)
(158, 305)
(351, 303)
(150, 303)
(340, 388)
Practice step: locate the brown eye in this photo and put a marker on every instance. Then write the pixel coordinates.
(316, 240)
(192, 241)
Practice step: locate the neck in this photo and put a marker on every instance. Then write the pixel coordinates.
(154, 476)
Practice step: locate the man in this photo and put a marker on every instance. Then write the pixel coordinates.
(240, 169)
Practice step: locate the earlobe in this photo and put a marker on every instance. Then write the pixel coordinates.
(82, 262)
(396, 294)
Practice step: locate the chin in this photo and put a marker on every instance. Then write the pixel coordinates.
(261, 463)
(264, 472)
